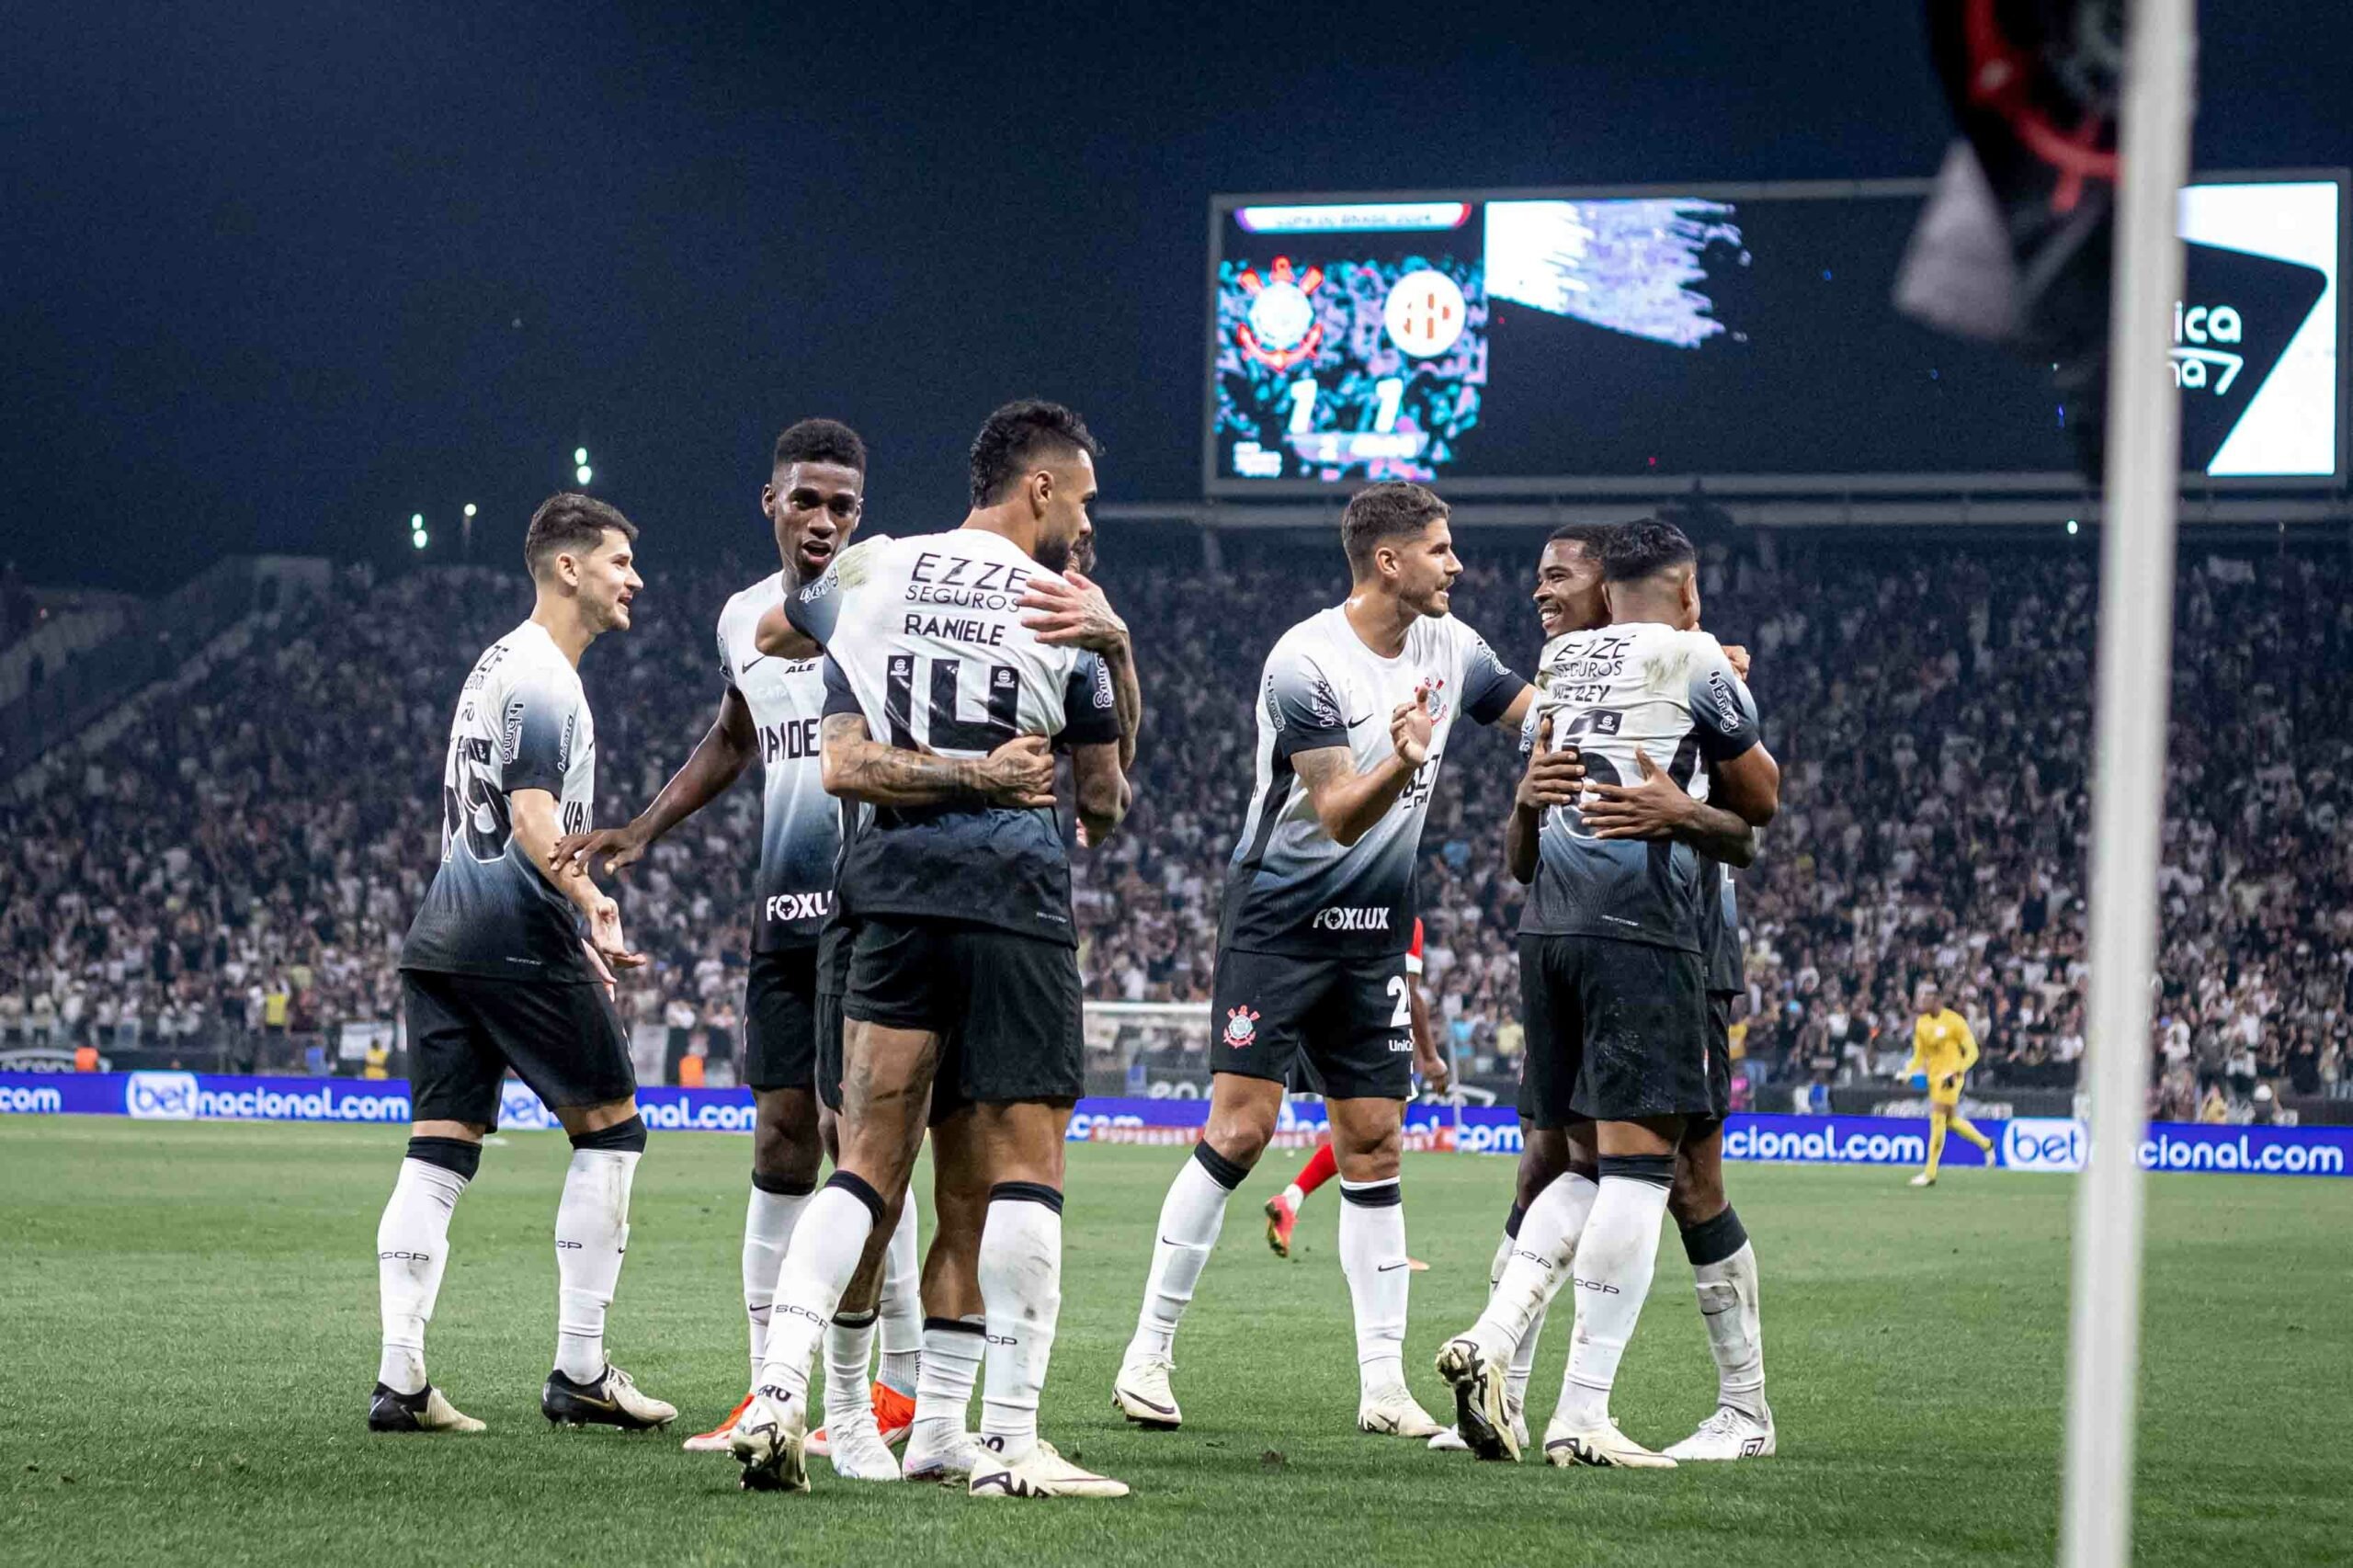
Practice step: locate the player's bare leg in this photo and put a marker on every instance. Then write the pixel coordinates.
(1243, 1114)
(940, 1447)
(411, 1253)
(1615, 1259)
(1367, 1137)
(788, 1144)
(591, 1238)
(1724, 1274)
(886, 1094)
(1021, 1144)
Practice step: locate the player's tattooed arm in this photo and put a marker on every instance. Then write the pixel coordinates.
(1658, 808)
(1073, 612)
(1348, 802)
(1100, 782)
(717, 761)
(859, 768)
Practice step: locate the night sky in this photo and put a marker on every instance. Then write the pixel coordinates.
(272, 277)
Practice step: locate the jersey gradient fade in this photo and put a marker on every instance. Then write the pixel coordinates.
(923, 640)
(1289, 888)
(1610, 692)
(800, 824)
(522, 722)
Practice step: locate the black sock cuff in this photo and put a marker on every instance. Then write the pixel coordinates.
(953, 1325)
(1379, 1195)
(1512, 1221)
(627, 1136)
(1657, 1170)
(854, 1320)
(1027, 1192)
(1712, 1241)
(857, 1188)
(1223, 1171)
(460, 1156)
(783, 1186)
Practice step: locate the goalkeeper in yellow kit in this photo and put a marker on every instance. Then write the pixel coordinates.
(1943, 1051)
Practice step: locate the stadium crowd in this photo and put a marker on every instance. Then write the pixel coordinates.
(235, 871)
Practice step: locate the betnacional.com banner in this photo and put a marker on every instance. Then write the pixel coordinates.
(2024, 1144)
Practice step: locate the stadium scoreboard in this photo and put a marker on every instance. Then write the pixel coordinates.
(1582, 341)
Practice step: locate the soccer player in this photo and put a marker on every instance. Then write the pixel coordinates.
(1943, 1051)
(1282, 1210)
(496, 973)
(1611, 973)
(1353, 715)
(770, 708)
(963, 997)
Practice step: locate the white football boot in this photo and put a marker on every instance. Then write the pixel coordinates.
(1729, 1434)
(858, 1452)
(1601, 1446)
(1042, 1473)
(952, 1461)
(771, 1442)
(1392, 1412)
(427, 1410)
(1481, 1416)
(1140, 1393)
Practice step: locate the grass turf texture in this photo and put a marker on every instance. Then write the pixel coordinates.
(188, 1320)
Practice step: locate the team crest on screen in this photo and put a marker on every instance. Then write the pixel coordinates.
(1241, 1027)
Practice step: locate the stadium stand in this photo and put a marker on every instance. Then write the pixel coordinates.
(223, 874)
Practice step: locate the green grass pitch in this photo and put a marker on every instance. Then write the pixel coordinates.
(187, 1333)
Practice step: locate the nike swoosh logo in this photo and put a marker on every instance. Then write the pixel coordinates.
(754, 659)
(1391, 1268)
(1354, 722)
(598, 1403)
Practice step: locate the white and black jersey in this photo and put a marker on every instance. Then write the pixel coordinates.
(1289, 888)
(800, 831)
(1720, 929)
(1610, 692)
(522, 722)
(923, 639)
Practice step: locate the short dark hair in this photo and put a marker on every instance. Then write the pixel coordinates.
(820, 442)
(1014, 438)
(1388, 510)
(1595, 536)
(1643, 548)
(570, 520)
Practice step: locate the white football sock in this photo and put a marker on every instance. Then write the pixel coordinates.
(591, 1237)
(1614, 1262)
(1021, 1286)
(826, 1245)
(411, 1251)
(944, 1379)
(903, 1305)
(767, 1231)
(1190, 1217)
(1539, 1262)
(1372, 1254)
(1292, 1196)
(850, 1356)
(1726, 1283)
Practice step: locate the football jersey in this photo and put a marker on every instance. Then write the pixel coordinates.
(922, 638)
(522, 724)
(1289, 888)
(800, 824)
(1610, 691)
(1720, 928)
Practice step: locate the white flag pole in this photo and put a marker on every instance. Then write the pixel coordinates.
(2127, 787)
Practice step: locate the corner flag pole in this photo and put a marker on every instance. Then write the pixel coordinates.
(2127, 787)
